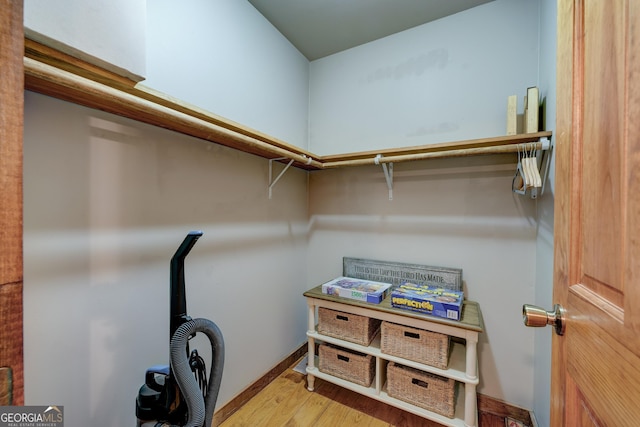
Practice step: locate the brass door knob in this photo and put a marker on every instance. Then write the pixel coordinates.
(536, 317)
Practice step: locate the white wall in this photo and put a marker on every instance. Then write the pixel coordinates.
(222, 56)
(109, 33)
(452, 213)
(443, 81)
(107, 201)
(545, 207)
(225, 57)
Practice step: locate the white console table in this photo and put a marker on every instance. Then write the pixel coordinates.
(462, 367)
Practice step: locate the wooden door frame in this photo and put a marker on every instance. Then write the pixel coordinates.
(566, 95)
(11, 129)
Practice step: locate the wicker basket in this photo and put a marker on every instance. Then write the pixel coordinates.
(346, 364)
(428, 391)
(430, 348)
(347, 326)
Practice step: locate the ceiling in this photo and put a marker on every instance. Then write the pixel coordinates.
(319, 28)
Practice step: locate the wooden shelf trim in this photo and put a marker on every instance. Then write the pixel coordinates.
(62, 84)
(55, 73)
(472, 147)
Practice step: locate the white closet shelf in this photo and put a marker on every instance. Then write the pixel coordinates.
(55, 73)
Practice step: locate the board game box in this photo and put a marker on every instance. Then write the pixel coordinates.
(358, 289)
(428, 299)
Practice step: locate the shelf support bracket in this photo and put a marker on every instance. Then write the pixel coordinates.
(547, 149)
(388, 173)
(545, 160)
(272, 182)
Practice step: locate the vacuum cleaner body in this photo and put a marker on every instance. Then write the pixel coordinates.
(159, 398)
(180, 394)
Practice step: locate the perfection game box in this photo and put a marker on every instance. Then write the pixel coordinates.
(358, 289)
(428, 299)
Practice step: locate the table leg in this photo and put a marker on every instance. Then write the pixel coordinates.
(311, 349)
(472, 357)
(470, 405)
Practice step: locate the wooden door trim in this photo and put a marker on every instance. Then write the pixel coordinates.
(562, 218)
(11, 127)
(632, 132)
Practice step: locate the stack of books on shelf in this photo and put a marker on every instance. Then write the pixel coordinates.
(529, 120)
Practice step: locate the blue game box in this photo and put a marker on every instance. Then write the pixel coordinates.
(428, 299)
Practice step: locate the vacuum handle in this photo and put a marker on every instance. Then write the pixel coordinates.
(178, 293)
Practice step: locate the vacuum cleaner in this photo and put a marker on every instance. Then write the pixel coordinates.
(180, 394)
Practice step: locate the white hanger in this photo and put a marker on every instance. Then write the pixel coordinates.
(533, 167)
(519, 182)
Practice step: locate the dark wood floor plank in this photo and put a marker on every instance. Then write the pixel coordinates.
(490, 420)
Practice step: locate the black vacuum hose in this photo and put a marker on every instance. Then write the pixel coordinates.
(199, 412)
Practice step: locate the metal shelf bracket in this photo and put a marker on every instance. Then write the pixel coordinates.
(388, 173)
(545, 162)
(272, 182)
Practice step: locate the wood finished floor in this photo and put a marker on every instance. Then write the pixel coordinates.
(286, 402)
